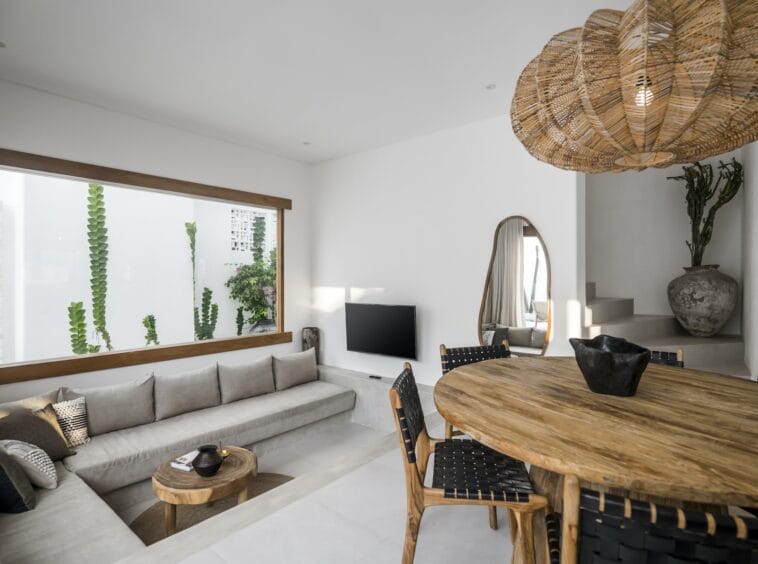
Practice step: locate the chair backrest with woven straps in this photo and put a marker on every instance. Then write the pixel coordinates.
(411, 426)
(618, 529)
(460, 356)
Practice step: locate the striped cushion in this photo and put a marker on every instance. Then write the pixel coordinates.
(72, 417)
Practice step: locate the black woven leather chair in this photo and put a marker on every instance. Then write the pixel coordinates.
(464, 473)
(460, 356)
(668, 358)
(614, 529)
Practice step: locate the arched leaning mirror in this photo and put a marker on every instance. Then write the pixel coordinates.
(516, 300)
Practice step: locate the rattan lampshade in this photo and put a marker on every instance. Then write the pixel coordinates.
(667, 81)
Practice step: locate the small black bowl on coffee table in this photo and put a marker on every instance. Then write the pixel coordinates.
(611, 365)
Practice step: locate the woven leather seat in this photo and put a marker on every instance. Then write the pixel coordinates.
(614, 529)
(469, 470)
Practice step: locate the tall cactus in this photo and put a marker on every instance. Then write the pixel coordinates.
(97, 236)
(205, 320)
(191, 228)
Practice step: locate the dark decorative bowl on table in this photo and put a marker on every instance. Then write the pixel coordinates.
(611, 365)
(208, 461)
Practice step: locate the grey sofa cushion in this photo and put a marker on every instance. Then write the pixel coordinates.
(520, 336)
(538, 338)
(29, 404)
(246, 380)
(188, 391)
(124, 457)
(70, 524)
(295, 369)
(110, 408)
(16, 492)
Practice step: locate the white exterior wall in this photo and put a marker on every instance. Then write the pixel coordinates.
(45, 124)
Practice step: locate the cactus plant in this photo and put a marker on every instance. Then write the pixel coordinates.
(97, 235)
(78, 329)
(206, 318)
(151, 335)
(240, 320)
(698, 179)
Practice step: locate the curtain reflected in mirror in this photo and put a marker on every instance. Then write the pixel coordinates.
(516, 302)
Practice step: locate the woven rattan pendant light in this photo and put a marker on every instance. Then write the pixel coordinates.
(667, 81)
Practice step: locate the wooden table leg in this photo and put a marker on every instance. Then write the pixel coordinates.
(242, 496)
(550, 485)
(169, 511)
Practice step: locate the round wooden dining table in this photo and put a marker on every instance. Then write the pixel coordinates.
(686, 434)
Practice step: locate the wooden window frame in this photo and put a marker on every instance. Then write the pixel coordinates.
(47, 368)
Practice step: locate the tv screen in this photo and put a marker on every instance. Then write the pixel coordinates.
(381, 329)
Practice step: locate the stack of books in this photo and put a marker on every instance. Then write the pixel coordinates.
(184, 462)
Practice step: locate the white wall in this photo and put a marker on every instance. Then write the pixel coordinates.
(637, 225)
(750, 257)
(413, 223)
(41, 123)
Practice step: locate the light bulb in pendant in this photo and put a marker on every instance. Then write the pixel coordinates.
(644, 95)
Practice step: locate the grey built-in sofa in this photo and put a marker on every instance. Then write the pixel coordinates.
(136, 426)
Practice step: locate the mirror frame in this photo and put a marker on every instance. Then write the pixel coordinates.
(549, 330)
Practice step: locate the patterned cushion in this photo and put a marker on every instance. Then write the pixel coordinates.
(72, 417)
(35, 462)
(16, 492)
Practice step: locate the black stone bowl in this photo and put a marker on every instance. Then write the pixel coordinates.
(611, 365)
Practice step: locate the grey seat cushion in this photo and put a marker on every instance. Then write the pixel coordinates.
(188, 391)
(124, 457)
(70, 524)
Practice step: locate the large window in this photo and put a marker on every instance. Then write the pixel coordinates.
(94, 267)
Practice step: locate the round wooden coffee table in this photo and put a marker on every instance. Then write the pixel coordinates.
(177, 487)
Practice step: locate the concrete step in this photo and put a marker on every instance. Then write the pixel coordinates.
(603, 310)
(702, 352)
(637, 328)
(591, 291)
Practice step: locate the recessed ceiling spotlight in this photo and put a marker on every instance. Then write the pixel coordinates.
(307, 143)
(490, 86)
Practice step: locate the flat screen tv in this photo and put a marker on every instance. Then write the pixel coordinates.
(381, 329)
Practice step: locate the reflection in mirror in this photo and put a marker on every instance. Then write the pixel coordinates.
(90, 267)
(516, 301)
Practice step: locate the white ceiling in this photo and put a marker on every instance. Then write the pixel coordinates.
(345, 75)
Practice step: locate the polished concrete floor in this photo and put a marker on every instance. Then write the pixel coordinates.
(360, 517)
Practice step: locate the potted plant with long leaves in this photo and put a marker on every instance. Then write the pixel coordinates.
(704, 298)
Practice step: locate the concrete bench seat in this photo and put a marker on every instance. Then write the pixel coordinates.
(124, 457)
(70, 523)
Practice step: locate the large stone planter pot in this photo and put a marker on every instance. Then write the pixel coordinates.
(702, 299)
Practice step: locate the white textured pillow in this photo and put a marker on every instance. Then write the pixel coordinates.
(36, 463)
(72, 417)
